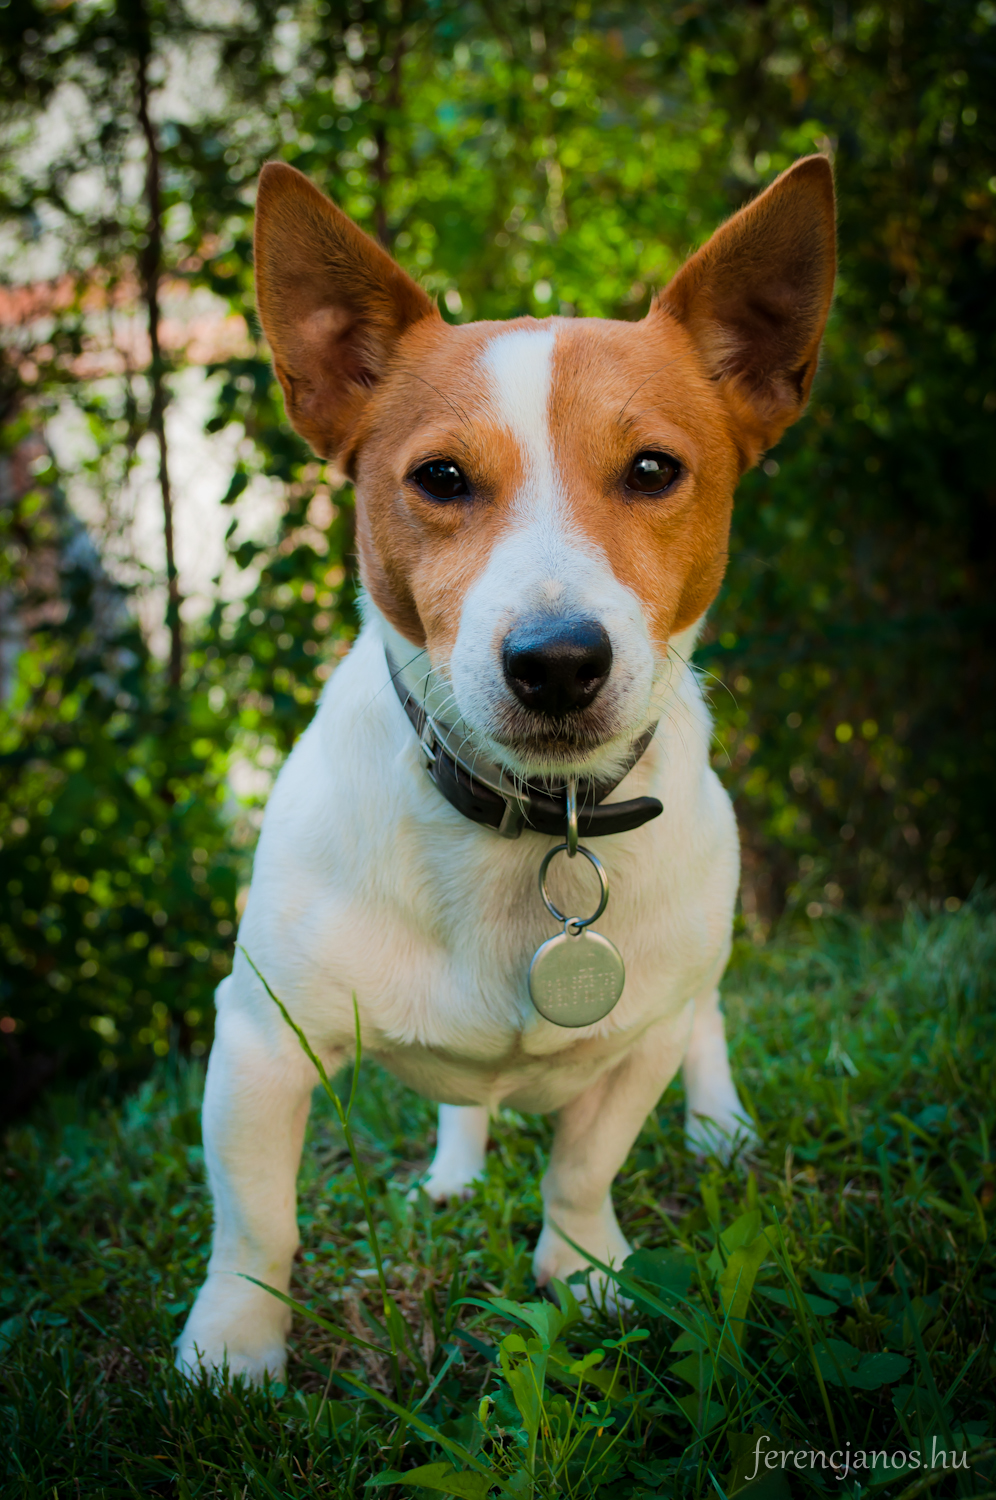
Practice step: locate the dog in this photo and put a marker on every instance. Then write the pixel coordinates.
(542, 519)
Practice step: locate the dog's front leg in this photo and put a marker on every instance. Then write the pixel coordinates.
(592, 1140)
(716, 1123)
(255, 1109)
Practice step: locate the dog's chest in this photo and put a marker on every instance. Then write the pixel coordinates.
(367, 883)
(442, 983)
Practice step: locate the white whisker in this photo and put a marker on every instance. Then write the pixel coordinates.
(390, 680)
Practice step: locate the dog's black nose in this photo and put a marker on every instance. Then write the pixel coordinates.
(553, 666)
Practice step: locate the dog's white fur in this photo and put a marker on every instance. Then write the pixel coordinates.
(366, 881)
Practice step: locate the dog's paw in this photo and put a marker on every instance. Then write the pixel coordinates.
(237, 1326)
(725, 1134)
(446, 1182)
(555, 1260)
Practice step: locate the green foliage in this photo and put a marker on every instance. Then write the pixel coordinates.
(119, 887)
(837, 1293)
(853, 623)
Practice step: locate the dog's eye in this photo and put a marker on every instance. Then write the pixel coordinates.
(652, 473)
(442, 479)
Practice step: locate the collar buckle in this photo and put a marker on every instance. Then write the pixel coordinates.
(513, 819)
(428, 746)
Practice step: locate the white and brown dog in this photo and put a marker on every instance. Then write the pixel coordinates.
(543, 510)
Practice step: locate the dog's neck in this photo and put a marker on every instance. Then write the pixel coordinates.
(483, 789)
(432, 689)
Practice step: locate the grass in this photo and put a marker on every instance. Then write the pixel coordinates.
(841, 1294)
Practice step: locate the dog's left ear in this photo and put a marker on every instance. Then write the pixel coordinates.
(333, 306)
(755, 300)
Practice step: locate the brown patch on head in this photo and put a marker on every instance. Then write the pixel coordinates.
(419, 556)
(719, 368)
(624, 388)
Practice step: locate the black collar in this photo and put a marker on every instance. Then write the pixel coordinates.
(485, 793)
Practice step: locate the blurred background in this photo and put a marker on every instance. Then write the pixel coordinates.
(177, 576)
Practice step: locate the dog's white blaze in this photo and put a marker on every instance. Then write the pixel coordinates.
(544, 562)
(520, 366)
(542, 537)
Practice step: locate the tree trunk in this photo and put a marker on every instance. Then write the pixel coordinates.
(150, 263)
(392, 48)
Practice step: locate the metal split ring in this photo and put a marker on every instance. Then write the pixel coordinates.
(572, 816)
(576, 924)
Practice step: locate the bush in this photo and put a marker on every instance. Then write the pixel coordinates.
(118, 877)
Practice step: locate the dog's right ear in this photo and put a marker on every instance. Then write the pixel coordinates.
(332, 303)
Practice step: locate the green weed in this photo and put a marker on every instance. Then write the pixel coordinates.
(833, 1302)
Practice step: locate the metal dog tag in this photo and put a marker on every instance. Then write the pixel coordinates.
(576, 978)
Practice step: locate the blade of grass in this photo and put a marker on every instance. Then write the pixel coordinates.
(425, 1428)
(312, 1316)
(802, 1318)
(900, 1278)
